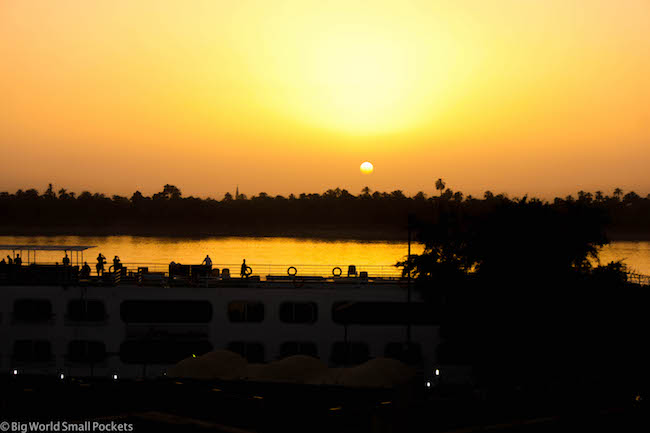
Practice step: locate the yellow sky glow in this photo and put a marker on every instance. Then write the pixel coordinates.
(539, 96)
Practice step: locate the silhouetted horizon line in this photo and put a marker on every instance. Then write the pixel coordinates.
(170, 191)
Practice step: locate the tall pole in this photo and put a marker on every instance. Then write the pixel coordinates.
(408, 285)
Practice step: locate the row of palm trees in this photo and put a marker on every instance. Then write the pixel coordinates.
(174, 193)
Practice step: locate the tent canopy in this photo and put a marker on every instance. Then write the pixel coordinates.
(45, 247)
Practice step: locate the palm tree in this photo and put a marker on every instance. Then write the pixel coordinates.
(618, 192)
(584, 196)
(49, 193)
(599, 196)
(440, 186)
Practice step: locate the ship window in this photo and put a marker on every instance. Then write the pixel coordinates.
(29, 351)
(176, 311)
(382, 313)
(349, 353)
(407, 353)
(253, 352)
(298, 312)
(291, 348)
(86, 311)
(161, 351)
(87, 352)
(246, 311)
(32, 310)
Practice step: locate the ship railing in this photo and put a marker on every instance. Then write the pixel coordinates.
(148, 271)
(640, 279)
(307, 272)
(264, 271)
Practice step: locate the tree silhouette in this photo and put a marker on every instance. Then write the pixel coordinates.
(618, 192)
(49, 193)
(168, 211)
(440, 185)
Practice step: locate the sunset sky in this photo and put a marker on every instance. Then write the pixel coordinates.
(545, 97)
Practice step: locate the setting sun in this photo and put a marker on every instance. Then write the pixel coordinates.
(485, 94)
(204, 151)
(367, 168)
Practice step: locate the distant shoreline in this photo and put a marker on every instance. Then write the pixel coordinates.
(373, 233)
(330, 233)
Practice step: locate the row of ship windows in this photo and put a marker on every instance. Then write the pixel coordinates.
(164, 311)
(168, 352)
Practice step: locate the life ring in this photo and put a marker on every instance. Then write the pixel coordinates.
(295, 271)
(248, 271)
(334, 272)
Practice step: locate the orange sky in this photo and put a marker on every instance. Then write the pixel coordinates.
(542, 97)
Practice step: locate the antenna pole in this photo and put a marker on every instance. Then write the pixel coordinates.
(408, 283)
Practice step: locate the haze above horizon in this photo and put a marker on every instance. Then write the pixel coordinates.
(525, 97)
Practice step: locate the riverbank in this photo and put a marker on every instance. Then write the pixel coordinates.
(325, 232)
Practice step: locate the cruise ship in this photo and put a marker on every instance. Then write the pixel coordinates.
(138, 321)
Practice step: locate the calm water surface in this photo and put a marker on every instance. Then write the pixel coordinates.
(273, 254)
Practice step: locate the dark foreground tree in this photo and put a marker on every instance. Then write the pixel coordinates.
(520, 301)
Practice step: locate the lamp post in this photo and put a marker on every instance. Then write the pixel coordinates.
(408, 282)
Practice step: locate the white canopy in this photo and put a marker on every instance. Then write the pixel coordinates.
(33, 247)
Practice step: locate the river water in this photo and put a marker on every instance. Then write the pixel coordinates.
(271, 255)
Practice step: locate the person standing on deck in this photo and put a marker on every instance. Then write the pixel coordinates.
(100, 264)
(207, 262)
(10, 260)
(242, 272)
(18, 260)
(66, 260)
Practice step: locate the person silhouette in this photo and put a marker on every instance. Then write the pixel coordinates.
(10, 260)
(66, 260)
(244, 267)
(116, 263)
(18, 260)
(100, 264)
(207, 262)
(85, 270)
